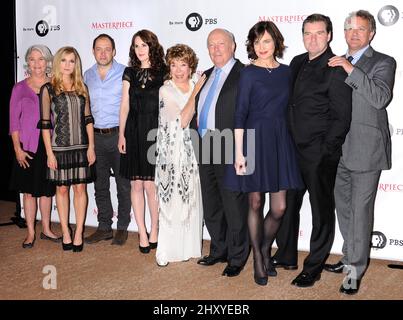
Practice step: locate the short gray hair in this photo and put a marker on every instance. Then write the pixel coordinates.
(46, 53)
(364, 14)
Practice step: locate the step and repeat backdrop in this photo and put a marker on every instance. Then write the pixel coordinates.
(58, 23)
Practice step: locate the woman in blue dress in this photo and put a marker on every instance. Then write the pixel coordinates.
(264, 151)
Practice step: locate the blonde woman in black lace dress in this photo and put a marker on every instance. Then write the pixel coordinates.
(70, 145)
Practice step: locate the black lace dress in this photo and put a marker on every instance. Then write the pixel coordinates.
(139, 161)
(67, 114)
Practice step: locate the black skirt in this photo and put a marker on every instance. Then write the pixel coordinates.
(33, 180)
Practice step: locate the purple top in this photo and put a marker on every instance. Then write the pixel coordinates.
(24, 115)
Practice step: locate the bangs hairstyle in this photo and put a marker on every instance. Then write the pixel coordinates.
(257, 31)
(76, 76)
(156, 52)
(46, 54)
(184, 53)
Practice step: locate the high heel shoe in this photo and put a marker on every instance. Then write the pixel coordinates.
(261, 281)
(28, 245)
(79, 248)
(146, 249)
(153, 245)
(67, 246)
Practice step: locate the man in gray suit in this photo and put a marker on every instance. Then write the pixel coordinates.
(367, 148)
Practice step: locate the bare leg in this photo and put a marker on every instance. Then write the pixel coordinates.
(255, 224)
(80, 208)
(63, 205)
(137, 196)
(30, 207)
(45, 207)
(272, 223)
(153, 208)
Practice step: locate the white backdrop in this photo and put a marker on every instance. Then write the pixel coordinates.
(58, 23)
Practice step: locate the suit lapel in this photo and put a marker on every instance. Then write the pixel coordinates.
(365, 59)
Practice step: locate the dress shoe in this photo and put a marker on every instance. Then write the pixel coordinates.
(45, 237)
(28, 245)
(232, 271)
(78, 248)
(286, 266)
(153, 245)
(350, 286)
(67, 246)
(162, 264)
(98, 236)
(335, 268)
(120, 237)
(210, 260)
(305, 279)
(261, 281)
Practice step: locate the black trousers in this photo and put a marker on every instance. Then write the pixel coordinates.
(225, 212)
(108, 157)
(319, 176)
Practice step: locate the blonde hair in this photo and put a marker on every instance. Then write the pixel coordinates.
(76, 76)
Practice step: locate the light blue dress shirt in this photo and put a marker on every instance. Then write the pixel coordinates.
(105, 95)
(203, 94)
(357, 55)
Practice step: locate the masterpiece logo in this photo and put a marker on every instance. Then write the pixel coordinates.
(47, 24)
(390, 187)
(195, 21)
(112, 25)
(388, 15)
(298, 18)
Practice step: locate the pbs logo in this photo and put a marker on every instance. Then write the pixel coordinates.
(194, 21)
(388, 15)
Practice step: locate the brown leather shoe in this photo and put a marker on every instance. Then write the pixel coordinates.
(98, 236)
(120, 237)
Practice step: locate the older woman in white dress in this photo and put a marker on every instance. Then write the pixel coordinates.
(177, 174)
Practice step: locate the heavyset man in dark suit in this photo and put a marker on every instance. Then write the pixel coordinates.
(225, 212)
(367, 149)
(319, 119)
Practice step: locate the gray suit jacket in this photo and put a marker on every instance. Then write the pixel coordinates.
(368, 146)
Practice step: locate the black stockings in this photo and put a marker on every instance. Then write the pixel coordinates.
(262, 232)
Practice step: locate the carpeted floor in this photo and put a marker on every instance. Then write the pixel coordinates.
(103, 271)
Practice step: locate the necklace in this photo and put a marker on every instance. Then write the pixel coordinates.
(270, 69)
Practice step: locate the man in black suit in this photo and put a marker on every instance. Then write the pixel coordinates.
(319, 119)
(225, 212)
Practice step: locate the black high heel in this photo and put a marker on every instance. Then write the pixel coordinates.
(29, 245)
(153, 245)
(68, 246)
(79, 248)
(261, 281)
(144, 249)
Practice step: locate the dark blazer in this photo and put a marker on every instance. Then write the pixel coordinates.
(319, 106)
(226, 102)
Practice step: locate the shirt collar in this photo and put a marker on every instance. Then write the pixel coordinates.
(228, 66)
(356, 56)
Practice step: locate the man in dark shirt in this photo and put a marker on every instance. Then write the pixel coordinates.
(319, 119)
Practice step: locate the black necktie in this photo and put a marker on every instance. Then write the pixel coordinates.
(350, 58)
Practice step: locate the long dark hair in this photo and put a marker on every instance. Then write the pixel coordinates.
(156, 52)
